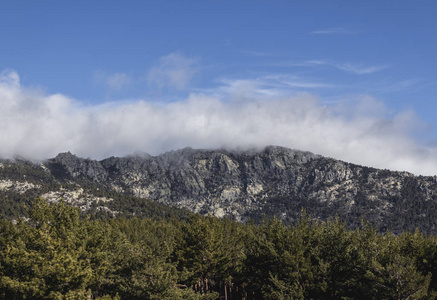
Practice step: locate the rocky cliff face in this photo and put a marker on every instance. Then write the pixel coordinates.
(275, 181)
(241, 185)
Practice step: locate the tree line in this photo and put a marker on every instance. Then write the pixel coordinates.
(58, 254)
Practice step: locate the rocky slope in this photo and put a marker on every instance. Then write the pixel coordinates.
(250, 184)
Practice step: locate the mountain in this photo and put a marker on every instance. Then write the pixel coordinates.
(241, 185)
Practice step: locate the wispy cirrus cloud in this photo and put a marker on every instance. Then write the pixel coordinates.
(360, 70)
(173, 71)
(337, 30)
(357, 69)
(262, 87)
(294, 81)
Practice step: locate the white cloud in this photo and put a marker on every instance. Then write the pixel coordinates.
(173, 71)
(9, 79)
(37, 126)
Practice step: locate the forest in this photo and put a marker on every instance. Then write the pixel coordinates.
(57, 253)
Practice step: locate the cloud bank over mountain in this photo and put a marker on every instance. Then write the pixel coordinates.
(36, 126)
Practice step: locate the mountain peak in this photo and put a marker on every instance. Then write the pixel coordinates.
(274, 181)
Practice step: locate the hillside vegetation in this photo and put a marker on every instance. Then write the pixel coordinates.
(57, 254)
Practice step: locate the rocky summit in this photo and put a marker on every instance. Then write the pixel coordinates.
(242, 185)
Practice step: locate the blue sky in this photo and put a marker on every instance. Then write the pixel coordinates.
(347, 79)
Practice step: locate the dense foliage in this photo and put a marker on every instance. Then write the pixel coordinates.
(57, 254)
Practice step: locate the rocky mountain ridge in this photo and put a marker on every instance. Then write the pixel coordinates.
(247, 185)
